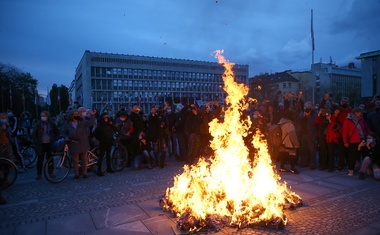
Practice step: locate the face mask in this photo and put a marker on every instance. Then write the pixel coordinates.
(84, 114)
(344, 105)
(4, 120)
(122, 119)
(43, 119)
(255, 116)
(76, 117)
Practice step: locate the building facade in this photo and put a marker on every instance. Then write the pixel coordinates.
(105, 81)
(266, 86)
(342, 81)
(370, 63)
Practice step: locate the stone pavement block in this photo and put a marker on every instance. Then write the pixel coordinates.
(346, 180)
(304, 195)
(118, 215)
(133, 228)
(152, 208)
(371, 229)
(317, 190)
(75, 224)
(31, 229)
(162, 225)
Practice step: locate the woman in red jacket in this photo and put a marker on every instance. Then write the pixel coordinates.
(355, 130)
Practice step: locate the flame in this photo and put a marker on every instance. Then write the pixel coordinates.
(229, 184)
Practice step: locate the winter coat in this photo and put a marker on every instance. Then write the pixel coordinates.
(289, 135)
(351, 129)
(104, 132)
(79, 135)
(38, 130)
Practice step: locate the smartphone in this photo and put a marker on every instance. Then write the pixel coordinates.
(325, 112)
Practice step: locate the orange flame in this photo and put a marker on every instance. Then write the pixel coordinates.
(228, 184)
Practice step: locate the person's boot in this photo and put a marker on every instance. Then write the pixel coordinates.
(100, 172)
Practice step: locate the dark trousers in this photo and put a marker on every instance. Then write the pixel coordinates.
(342, 154)
(353, 155)
(182, 144)
(331, 147)
(285, 157)
(104, 149)
(323, 152)
(193, 148)
(45, 151)
(307, 152)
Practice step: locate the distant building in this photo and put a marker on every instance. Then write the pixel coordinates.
(370, 63)
(341, 81)
(105, 81)
(266, 86)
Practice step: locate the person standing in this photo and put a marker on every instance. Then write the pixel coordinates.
(45, 132)
(76, 133)
(355, 130)
(339, 116)
(125, 130)
(104, 133)
(307, 129)
(290, 143)
(193, 123)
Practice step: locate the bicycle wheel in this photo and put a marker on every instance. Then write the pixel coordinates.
(93, 157)
(30, 156)
(56, 168)
(119, 158)
(8, 173)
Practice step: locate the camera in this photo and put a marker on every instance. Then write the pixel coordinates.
(307, 110)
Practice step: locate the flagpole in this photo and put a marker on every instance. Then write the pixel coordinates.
(312, 58)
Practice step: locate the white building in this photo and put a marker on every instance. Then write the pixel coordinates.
(105, 81)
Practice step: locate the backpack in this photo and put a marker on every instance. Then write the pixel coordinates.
(275, 135)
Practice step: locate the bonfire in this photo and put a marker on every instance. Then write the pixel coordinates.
(229, 188)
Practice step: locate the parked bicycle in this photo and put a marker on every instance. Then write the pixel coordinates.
(8, 173)
(25, 148)
(58, 166)
(119, 158)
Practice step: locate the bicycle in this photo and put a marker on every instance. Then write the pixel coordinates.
(119, 158)
(26, 148)
(58, 166)
(8, 173)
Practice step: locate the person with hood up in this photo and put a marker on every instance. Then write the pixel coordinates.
(290, 143)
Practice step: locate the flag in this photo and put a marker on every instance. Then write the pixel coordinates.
(36, 97)
(10, 97)
(48, 97)
(59, 95)
(312, 31)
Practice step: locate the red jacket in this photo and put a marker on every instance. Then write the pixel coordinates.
(351, 132)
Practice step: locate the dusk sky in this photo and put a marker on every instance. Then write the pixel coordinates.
(48, 38)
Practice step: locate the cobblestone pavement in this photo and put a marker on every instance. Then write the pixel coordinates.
(333, 202)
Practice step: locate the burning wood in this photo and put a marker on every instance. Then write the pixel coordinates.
(229, 189)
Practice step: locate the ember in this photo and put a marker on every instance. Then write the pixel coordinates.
(229, 189)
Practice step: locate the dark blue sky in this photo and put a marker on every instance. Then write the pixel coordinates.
(48, 38)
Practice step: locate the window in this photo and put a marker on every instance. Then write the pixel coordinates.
(284, 85)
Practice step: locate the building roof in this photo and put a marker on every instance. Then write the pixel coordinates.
(368, 54)
(274, 78)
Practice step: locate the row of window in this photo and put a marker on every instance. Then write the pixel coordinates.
(150, 97)
(107, 72)
(208, 66)
(131, 85)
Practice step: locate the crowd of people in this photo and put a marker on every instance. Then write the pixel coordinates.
(330, 136)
